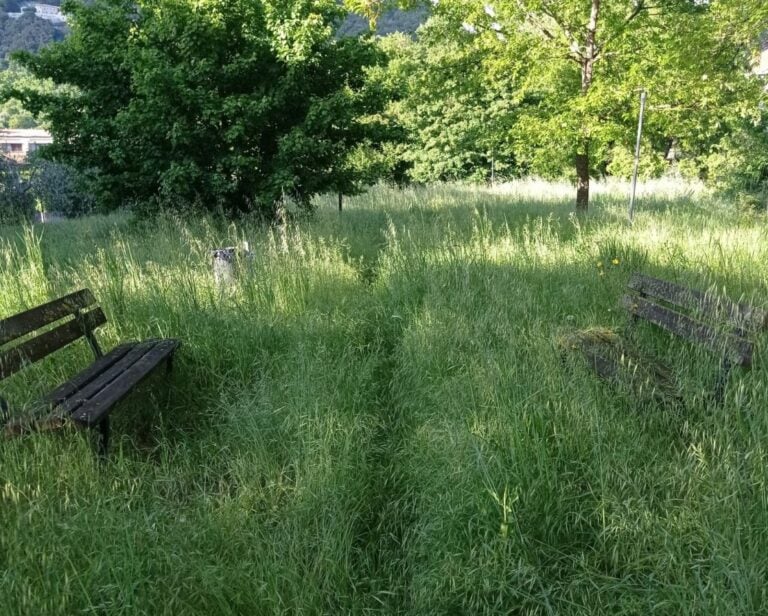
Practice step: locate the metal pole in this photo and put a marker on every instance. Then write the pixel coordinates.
(643, 96)
(493, 171)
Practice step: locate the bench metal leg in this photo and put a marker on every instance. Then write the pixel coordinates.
(722, 379)
(104, 431)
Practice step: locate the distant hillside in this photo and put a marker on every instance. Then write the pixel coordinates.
(391, 21)
(27, 32)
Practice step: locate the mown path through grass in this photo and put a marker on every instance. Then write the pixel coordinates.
(376, 420)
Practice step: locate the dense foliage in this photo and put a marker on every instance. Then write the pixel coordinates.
(12, 111)
(551, 87)
(42, 185)
(456, 119)
(16, 199)
(29, 33)
(240, 106)
(235, 106)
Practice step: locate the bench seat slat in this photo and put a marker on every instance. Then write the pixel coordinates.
(737, 349)
(52, 411)
(104, 378)
(92, 410)
(116, 369)
(35, 349)
(613, 361)
(82, 379)
(23, 323)
(739, 316)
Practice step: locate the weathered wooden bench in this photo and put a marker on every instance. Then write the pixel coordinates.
(723, 327)
(87, 399)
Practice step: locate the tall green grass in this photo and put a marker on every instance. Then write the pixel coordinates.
(376, 417)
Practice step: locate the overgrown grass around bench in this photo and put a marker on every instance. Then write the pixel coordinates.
(375, 420)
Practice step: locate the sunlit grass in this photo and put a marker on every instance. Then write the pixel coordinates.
(377, 419)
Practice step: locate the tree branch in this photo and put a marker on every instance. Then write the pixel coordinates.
(536, 22)
(640, 6)
(566, 29)
(576, 57)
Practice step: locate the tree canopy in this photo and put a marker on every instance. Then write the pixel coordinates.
(554, 84)
(232, 104)
(241, 104)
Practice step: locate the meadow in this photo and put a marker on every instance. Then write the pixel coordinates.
(377, 418)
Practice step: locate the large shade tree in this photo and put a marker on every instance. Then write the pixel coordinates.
(233, 104)
(573, 69)
(456, 119)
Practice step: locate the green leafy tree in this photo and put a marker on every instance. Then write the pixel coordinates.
(58, 188)
(738, 164)
(233, 104)
(12, 112)
(457, 119)
(573, 69)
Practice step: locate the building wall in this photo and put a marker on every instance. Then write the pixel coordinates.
(43, 11)
(763, 66)
(17, 144)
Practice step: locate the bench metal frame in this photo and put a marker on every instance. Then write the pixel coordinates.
(724, 327)
(87, 399)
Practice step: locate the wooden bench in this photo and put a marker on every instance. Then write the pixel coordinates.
(86, 399)
(718, 324)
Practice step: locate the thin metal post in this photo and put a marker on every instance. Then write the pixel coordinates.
(104, 438)
(341, 201)
(643, 95)
(89, 335)
(722, 380)
(5, 411)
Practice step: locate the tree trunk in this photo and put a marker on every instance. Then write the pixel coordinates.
(587, 73)
(582, 187)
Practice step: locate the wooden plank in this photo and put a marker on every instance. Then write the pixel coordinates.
(82, 379)
(26, 322)
(37, 348)
(612, 360)
(605, 367)
(91, 412)
(42, 408)
(104, 378)
(739, 316)
(737, 349)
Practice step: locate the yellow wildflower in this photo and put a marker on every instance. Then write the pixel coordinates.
(615, 261)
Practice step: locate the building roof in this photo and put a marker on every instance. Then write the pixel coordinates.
(9, 134)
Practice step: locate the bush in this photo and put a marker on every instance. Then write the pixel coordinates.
(739, 163)
(234, 107)
(16, 201)
(59, 188)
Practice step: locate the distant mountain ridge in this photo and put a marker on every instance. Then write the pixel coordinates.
(389, 23)
(25, 30)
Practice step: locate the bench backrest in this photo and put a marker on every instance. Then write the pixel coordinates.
(717, 323)
(79, 317)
